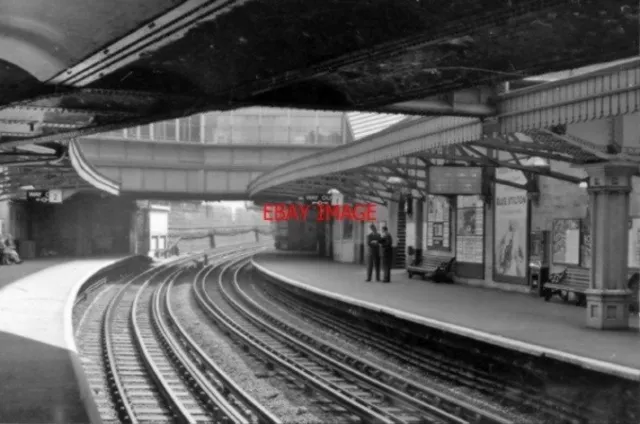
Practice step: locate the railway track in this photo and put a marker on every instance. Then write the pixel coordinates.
(366, 393)
(515, 394)
(137, 370)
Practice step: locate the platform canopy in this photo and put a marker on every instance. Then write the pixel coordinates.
(546, 125)
(74, 67)
(383, 180)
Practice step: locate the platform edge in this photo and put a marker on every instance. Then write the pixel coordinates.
(520, 346)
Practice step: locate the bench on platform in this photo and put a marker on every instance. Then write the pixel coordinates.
(576, 281)
(432, 266)
(570, 280)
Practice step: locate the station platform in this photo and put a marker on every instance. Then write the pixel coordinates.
(511, 320)
(37, 377)
(11, 273)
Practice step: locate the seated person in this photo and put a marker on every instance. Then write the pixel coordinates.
(9, 252)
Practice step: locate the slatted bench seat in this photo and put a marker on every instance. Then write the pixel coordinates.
(570, 280)
(430, 264)
(576, 280)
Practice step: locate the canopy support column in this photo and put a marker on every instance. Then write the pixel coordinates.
(608, 296)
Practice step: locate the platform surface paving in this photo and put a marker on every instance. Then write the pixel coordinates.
(11, 273)
(37, 381)
(505, 318)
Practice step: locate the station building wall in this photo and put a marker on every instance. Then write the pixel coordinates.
(85, 224)
(557, 200)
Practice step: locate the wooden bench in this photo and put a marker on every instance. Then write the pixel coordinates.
(431, 264)
(569, 280)
(576, 280)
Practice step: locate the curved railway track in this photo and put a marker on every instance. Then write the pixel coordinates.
(511, 392)
(135, 355)
(370, 393)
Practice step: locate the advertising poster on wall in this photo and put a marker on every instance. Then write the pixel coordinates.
(511, 227)
(438, 223)
(425, 227)
(469, 234)
(634, 243)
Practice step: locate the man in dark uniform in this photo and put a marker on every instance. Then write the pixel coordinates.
(373, 241)
(387, 253)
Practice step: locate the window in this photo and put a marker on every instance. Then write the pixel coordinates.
(246, 127)
(114, 134)
(210, 126)
(145, 132)
(183, 129)
(303, 128)
(274, 128)
(171, 130)
(159, 131)
(329, 129)
(131, 133)
(217, 127)
(189, 129)
(195, 133)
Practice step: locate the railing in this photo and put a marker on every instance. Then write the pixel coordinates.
(172, 249)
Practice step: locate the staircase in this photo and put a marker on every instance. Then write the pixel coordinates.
(401, 249)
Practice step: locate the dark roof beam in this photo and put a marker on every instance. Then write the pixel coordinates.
(538, 170)
(529, 149)
(473, 102)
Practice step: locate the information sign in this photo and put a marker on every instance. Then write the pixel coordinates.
(455, 180)
(45, 196)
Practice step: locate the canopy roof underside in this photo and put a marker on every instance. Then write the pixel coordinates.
(532, 152)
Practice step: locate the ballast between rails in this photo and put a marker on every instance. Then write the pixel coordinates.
(512, 391)
(227, 385)
(125, 411)
(394, 384)
(210, 396)
(216, 405)
(173, 402)
(313, 372)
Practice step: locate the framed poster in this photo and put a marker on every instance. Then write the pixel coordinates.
(511, 229)
(470, 230)
(470, 237)
(634, 242)
(438, 223)
(566, 242)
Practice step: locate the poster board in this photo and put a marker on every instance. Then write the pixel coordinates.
(470, 252)
(438, 223)
(470, 230)
(634, 242)
(511, 229)
(566, 242)
(585, 243)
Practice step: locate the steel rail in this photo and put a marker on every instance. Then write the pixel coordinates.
(367, 411)
(234, 394)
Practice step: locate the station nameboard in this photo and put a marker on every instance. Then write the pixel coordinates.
(455, 180)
